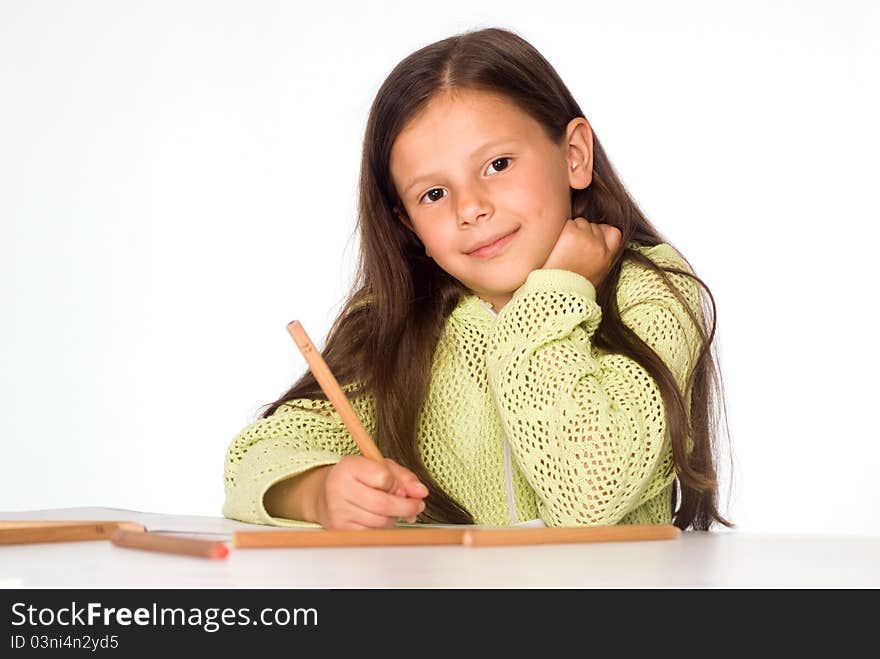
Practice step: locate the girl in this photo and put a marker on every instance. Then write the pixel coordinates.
(521, 342)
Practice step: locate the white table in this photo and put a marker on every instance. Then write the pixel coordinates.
(720, 559)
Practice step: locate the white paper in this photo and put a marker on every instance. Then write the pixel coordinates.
(219, 528)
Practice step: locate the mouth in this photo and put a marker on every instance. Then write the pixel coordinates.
(488, 251)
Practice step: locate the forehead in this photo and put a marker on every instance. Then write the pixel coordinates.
(450, 127)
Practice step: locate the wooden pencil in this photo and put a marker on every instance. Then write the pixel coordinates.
(338, 538)
(15, 532)
(333, 391)
(568, 534)
(469, 537)
(169, 544)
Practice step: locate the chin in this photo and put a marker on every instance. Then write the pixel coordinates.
(503, 284)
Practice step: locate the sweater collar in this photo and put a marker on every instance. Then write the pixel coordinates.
(474, 311)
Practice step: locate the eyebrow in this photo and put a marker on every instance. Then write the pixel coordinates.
(486, 146)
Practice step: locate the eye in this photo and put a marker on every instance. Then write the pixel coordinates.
(433, 199)
(506, 160)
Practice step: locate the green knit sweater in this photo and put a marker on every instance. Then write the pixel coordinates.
(524, 418)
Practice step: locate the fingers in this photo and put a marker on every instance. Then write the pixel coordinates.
(360, 506)
(364, 512)
(391, 477)
(359, 492)
(376, 475)
(385, 504)
(360, 518)
(408, 483)
(416, 489)
(612, 235)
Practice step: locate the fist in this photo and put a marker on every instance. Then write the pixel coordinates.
(586, 248)
(358, 493)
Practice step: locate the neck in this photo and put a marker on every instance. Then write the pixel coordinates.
(497, 302)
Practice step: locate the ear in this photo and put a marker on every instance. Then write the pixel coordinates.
(579, 149)
(401, 215)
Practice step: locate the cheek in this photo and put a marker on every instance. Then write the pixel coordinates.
(544, 207)
(436, 238)
(535, 193)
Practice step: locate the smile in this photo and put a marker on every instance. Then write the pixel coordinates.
(495, 248)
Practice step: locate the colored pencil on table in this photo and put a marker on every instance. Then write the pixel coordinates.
(333, 391)
(15, 532)
(568, 534)
(469, 537)
(169, 544)
(337, 538)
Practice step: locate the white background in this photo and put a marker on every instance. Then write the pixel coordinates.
(178, 181)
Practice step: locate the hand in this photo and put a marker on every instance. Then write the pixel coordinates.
(359, 493)
(586, 248)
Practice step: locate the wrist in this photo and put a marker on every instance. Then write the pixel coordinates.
(297, 497)
(311, 494)
(557, 279)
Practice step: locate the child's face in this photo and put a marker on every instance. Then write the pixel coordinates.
(458, 193)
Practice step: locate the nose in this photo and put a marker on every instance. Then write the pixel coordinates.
(473, 207)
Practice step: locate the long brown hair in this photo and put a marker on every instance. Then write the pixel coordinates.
(385, 348)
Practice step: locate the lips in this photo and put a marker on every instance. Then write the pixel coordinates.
(484, 247)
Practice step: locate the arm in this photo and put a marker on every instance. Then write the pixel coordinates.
(588, 430)
(285, 450)
(297, 497)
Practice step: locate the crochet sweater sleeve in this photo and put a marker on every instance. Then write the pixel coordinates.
(300, 435)
(588, 430)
